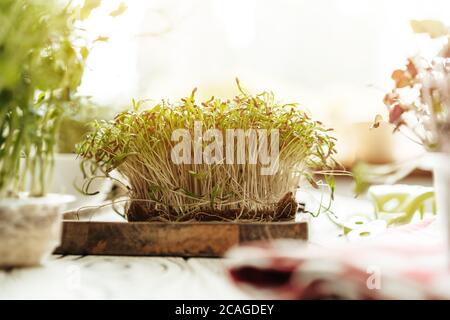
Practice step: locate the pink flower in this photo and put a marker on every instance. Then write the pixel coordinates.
(395, 114)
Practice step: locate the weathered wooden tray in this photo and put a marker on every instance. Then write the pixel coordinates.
(200, 239)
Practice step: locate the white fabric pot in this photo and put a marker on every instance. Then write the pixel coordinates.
(30, 228)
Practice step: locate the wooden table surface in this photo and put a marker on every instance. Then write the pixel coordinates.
(110, 277)
(103, 277)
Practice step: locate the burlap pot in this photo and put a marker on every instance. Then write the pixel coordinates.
(30, 229)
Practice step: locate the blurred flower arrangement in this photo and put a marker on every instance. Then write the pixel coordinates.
(420, 100)
(419, 106)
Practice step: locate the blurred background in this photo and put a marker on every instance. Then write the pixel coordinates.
(335, 57)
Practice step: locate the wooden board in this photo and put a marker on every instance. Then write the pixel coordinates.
(201, 239)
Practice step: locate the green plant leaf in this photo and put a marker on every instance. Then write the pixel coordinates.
(88, 7)
(119, 11)
(101, 39)
(84, 51)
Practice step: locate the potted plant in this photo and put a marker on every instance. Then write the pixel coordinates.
(419, 104)
(234, 160)
(186, 161)
(42, 57)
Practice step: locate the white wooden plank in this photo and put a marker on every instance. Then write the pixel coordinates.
(101, 277)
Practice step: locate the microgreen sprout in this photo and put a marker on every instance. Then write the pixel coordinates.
(138, 144)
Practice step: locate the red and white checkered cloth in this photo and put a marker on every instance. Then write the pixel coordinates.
(407, 262)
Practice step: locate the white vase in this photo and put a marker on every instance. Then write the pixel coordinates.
(30, 228)
(68, 178)
(441, 179)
